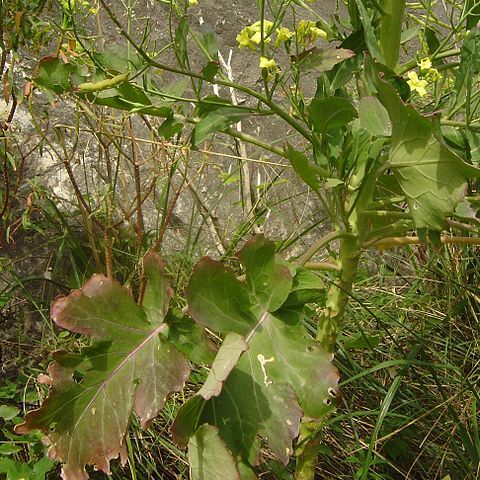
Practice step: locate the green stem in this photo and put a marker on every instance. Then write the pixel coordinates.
(320, 244)
(393, 242)
(327, 331)
(391, 30)
(350, 250)
(322, 266)
(411, 64)
(339, 293)
(307, 454)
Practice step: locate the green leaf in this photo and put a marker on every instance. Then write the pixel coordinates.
(410, 34)
(306, 170)
(370, 37)
(267, 374)
(180, 42)
(210, 70)
(208, 457)
(329, 113)
(319, 60)
(8, 390)
(472, 6)
(170, 127)
(129, 366)
(216, 115)
(7, 412)
(333, 182)
(432, 40)
(21, 471)
(227, 357)
(432, 177)
(230, 311)
(189, 337)
(209, 45)
(474, 146)
(343, 72)
(42, 467)
(52, 74)
(119, 59)
(269, 282)
(469, 63)
(9, 448)
(307, 287)
(374, 118)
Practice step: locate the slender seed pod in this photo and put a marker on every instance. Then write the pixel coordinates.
(103, 84)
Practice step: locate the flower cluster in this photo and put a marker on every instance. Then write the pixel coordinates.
(251, 37)
(305, 33)
(427, 73)
(269, 66)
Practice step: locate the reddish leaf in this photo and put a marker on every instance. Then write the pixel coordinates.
(130, 365)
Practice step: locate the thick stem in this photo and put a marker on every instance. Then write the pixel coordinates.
(307, 454)
(339, 294)
(391, 31)
(327, 331)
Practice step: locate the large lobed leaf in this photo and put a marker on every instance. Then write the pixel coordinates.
(267, 373)
(130, 365)
(432, 177)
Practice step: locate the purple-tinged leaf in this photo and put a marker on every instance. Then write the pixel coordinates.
(129, 366)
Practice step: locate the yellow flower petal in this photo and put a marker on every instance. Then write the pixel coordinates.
(283, 35)
(268, 63)
(416, 84)
(425, 64)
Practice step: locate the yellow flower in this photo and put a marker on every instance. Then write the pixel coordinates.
(307, 32)
(433, 74)
(269, 67)
(427, 71)
(416, 84)
(193, 2)
(425, 64)
(244, 38)
(283, 35)
(257, 38)
(268, 63)
(251, 37)
(317, 33)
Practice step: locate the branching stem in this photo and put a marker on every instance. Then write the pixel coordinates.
(393, 242)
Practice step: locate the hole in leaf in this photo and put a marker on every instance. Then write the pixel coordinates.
(78, 377)
(327, 401)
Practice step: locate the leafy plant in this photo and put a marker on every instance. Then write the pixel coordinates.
(386, 170)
